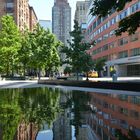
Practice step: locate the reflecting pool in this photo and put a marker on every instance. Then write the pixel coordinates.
(56, 114)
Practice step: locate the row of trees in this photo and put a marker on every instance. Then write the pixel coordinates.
(22, 51)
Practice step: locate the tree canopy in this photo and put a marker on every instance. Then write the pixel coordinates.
(76, 52)
(26, 50)
(10, 43)
(129, 24)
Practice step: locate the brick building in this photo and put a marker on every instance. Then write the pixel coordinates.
(22, 13)
(122, 52)
(32, 18)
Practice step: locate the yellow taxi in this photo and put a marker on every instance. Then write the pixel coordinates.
(92, 74)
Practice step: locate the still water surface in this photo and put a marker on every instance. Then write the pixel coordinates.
(54, 114)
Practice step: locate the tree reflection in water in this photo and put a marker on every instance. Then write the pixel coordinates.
(24, 111)
(78, 103)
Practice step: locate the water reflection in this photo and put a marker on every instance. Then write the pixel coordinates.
(23, 112)
(53, 114)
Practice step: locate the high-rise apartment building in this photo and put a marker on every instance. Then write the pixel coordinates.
(122, 53)
(61, 20)
(22, 13)
(81, 11)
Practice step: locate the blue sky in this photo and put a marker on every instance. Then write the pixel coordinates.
(43, 8)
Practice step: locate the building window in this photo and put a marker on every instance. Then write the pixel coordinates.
(123, 54)
(112, 45)
(94, 25)
(113, 21)
(105, 26)
(9, 1)
(123, 111)
(123, 41)
(135, 7)
(99, 39)
(105, 36)
(134, 114)
(135, 52)
(134, 37)
(113, 56)
(98, 21)
(9, 9)
(105, 47)
(123, 14)
(112, 33)
(135, 100)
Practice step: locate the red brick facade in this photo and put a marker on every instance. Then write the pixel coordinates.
(20, 10)
(123, 52)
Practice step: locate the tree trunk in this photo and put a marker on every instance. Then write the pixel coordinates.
(87, 76)
(7, 70)
(77, 77)
(24, 70)
(39, 76)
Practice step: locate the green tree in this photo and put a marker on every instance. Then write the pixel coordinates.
(44, 50)
(9, 44)
(103, 7)
(99, 64)
(67, 70)
(76, 54)
(25, 51)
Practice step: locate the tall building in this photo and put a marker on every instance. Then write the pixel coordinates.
(61, 20)
(122, 52)
(81, 11)
(20, 11)
(46, 24)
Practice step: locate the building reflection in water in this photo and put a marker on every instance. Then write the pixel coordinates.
(61, 126)
(111, 112)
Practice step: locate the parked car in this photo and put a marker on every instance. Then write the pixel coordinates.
(92, 74)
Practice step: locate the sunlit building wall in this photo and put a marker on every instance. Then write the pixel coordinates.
(122, 52)
(21, 12)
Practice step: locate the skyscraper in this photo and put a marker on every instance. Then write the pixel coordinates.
(81, 11)
(61, 20)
